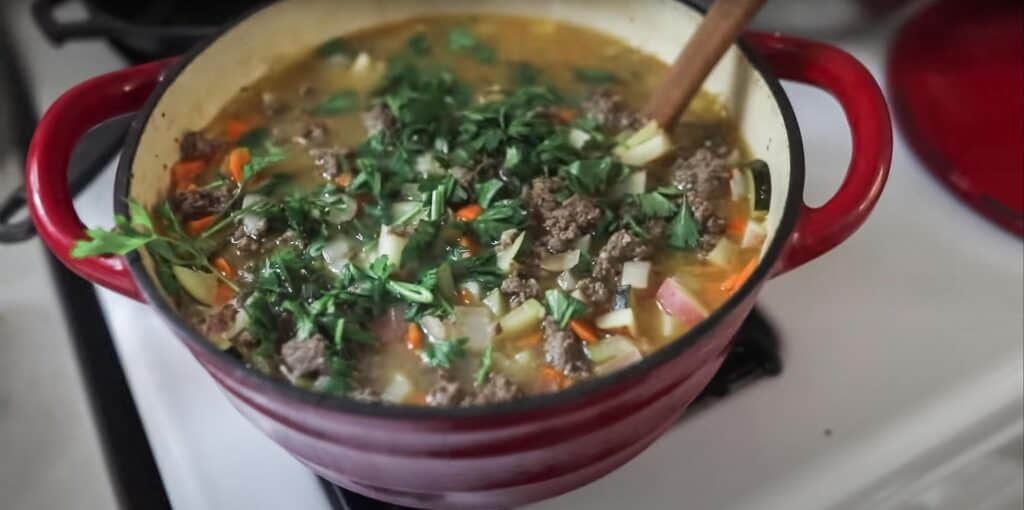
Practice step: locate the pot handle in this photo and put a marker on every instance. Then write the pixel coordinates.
(46, 179)
(98, 25)
(819, 229)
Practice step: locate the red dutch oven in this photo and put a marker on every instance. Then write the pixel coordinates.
(496, 455)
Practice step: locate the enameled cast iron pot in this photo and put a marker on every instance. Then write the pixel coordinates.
(497, 455)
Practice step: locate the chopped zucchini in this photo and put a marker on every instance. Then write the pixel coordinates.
(507, 256)
(561, 261)
(759, 186)
(496, 302)
(200, 285)
(613, 353)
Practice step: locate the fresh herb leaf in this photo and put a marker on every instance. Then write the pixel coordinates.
(340, 102)
(262, 158)
(683, 233)
(442, 354)
(595, 76)
(254, 139)
(461, 40)
(305, 322)
(499, 217)
(335, 46)
(593, 176)
(485, 366)
(109, 242)
(563, 307)
(524, 74)
(486, 191)
(654, 205)
(419, 45)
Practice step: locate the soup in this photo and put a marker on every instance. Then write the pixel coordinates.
(452, 211)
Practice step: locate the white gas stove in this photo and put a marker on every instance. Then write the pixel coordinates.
(903, 376)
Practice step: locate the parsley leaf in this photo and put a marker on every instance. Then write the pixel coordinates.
(593, 176)
(442, 354)
(595, 76)
(419, 45)
(563, 307)
(335, 46)
(486, 191)
(262, 158)
(654, 205)
(683, 233)
(524, 74)
(460, 39)
(485, 366)
(340, 102)
(501, 216)
(108, 242)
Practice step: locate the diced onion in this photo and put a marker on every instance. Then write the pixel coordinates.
(434, 328)
(361, 63)
(723, 254)
(612, 353)
(636, 273)
(339, 251)
(753, 235)
(678, 301)
(507, 256)
(566, 281)
(738, 185)
(253, 224)
(523, 318)
(646, 145)
(623, 318)
(583, 244)
(397, 390)
(561, 261)
(476, 324)
(345, 212)
(474, 289)
(427, 165)
(578, 138)
(634, 184)
(391, 245)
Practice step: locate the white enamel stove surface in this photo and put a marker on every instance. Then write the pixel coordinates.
(905, 344)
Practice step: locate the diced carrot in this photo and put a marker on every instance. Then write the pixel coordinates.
(184, 173)
(736, 227)
(224, 294)
(563, 114)
(551, 379)
(196, 227)
(344, 179)
(235, 128)
(585, 330)
(413, 336)
(733, 282)
(225, 268)
(466, 297)
(530, 339)
(418, 398)
(469, 212)
(469, 244)
(237, 160)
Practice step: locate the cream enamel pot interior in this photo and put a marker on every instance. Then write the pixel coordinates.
(498, 455)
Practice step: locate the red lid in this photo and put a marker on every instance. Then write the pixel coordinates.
(956, 79)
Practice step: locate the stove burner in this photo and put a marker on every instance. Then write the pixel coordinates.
(755, 355)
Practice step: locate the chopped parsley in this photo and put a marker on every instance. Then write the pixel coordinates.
(442, 354)
(563, 307)
(461, 40)
(592, 76)
(683, 233)
(340, 102)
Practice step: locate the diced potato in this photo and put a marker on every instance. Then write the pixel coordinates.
(635, 274)
(624, 318)
(398, 389)
(723, 254)
(523, 318)
(477, 325)
(392, 245)
(612, 353)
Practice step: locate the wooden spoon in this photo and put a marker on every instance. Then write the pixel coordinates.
(721, 27)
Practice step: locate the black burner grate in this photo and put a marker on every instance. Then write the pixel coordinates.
(755, 355)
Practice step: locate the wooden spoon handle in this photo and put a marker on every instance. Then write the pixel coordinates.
(721, 26)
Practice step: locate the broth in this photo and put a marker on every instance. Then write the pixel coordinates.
(390, 141)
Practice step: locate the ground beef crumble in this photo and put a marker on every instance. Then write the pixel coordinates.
(564, 351)
(519, 288)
